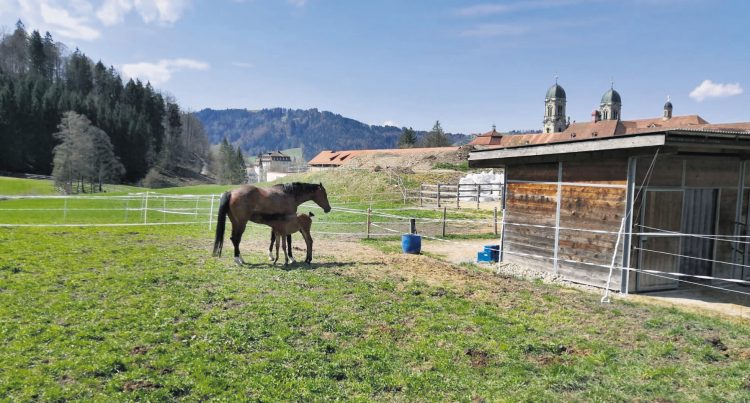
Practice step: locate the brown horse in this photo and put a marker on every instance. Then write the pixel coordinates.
(242, 203)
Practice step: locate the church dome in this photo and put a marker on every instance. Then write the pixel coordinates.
(555, 91)
(668, 105)
(611, 97)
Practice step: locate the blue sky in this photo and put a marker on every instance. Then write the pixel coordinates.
(469, 64)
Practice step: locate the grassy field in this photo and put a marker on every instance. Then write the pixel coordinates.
(144, 313)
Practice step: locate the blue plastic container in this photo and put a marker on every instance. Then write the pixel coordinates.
(411, 243)
(484, 257)
(493, 251)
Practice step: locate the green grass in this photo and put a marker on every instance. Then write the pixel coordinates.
(462, 166)
(31, 187)
(146, 314)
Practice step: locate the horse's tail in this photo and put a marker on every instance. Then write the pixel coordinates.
(221, 222)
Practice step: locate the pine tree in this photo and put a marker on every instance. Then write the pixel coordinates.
(408, 138)
(436, 137)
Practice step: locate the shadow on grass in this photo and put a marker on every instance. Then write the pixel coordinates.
(304, 266)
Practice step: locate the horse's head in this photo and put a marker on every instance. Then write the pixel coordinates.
(320, 197)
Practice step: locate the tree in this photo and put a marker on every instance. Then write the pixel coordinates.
(436, 137)
(84, 155)
(408, 138)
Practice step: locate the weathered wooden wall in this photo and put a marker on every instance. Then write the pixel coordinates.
(591, 196)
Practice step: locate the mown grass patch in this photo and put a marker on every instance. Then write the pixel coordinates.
(146, 314)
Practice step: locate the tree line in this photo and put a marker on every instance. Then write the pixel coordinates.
(56, 105)
(434, 138)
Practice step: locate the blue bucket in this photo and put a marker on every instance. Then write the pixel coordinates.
(493, 251)
(411, 243)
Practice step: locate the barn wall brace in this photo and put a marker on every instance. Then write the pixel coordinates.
(736, 256)
(557, 213)
(629, 203)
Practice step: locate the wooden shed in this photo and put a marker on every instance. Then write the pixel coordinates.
(681, 185)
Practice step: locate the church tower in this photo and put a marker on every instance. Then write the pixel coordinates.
(554, 110)
(667, 110)
(611, 105)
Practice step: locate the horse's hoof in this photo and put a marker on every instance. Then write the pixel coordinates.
(239, 260)
(291, 259)
(270, 257)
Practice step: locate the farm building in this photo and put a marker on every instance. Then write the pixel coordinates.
(680, 184)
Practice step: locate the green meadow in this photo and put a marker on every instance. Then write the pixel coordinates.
(111, 313)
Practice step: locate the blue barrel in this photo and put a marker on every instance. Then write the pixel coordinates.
(411, 243)
(493, 251)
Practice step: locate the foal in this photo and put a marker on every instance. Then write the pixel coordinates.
(283, 226)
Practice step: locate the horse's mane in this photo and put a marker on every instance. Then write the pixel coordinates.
(298, 188)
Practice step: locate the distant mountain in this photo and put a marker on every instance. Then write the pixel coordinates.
(312, 130)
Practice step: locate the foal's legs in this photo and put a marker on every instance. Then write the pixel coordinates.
(289, 243)
(278, 243)
(283, 244)
(237, 230)
(309, 243)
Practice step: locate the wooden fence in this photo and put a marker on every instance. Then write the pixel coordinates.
(461, 194)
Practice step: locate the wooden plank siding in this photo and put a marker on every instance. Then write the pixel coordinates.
(530, 204)
(591, 196)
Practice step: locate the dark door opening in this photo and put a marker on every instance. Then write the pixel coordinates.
(698, 220)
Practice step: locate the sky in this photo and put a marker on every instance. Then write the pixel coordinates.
(468, 64)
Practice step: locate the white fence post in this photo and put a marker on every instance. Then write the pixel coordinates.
(145, 209)
(211, 213)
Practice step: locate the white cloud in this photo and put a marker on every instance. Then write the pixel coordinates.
(481, 10)
(161, 71)
(390, 123)
(493, 30)
(113, 12)
(710, 89)
(67, 25)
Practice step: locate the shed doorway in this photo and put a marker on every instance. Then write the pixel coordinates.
(679, 228)
(661, 216)
(698, 220)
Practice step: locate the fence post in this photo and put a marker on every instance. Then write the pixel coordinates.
(438, 195)
(413, 225)
(145, 209)
(479, 188)
(369, 221)
(421, 186)
(444, 212)
(211, 213)
(495, 217)
(195, 215)
(458, 193)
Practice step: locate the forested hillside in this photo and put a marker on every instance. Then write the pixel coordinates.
(313, 130)
(40, 80)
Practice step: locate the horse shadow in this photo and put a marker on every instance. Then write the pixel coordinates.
(305, 266)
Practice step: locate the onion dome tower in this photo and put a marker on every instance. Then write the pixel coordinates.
(554, 109)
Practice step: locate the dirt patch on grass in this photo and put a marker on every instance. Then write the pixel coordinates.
(132, 386)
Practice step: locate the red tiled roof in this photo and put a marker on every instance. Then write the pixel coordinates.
(610, 128)
(338, 158)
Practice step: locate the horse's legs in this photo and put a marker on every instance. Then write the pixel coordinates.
(289, 243)
(237, 230)
(270, 248)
